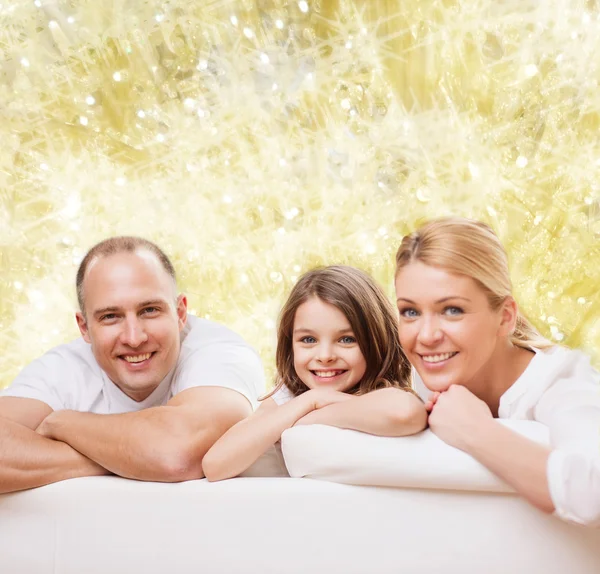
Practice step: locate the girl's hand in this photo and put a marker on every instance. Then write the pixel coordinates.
(457, 416)
(433, 397)
(320, 398)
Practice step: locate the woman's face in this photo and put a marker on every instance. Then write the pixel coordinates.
(447, 328)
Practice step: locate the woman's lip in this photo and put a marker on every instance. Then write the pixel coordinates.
(439, 364)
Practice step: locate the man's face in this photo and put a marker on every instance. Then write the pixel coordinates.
(133, 320)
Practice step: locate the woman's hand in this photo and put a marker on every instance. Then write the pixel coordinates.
(457, 416)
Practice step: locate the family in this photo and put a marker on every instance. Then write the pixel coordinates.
(152, 393)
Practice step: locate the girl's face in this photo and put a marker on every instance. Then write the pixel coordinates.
(447, 328)
(326, 353)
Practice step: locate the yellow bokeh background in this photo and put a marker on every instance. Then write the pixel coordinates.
(255, 139)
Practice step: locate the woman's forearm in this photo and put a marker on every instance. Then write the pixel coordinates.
(518, 461)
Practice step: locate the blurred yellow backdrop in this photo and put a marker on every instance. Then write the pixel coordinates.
(254, 139)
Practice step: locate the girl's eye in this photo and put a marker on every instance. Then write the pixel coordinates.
(453, 311)
(347, 340)
(409, 313)
(308, 340)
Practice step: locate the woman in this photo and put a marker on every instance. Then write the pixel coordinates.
(481, 359)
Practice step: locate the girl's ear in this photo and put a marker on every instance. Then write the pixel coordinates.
(508, 317)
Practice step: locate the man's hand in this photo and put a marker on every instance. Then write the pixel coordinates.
(165, 443)
(457, 416)
(47, 426)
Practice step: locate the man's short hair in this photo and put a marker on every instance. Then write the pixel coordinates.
(114, 245)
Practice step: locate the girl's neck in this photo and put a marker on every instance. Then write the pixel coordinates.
(500, 373)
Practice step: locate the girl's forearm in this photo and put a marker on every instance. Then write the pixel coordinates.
(246, 441)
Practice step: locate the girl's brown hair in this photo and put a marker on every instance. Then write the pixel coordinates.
(371, 317)
(468, 247)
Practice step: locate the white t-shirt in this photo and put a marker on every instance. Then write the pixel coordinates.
(282, 395)
(561, 389)
(68, 376)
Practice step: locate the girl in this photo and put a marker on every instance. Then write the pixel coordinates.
(338, 362)
(480, 358)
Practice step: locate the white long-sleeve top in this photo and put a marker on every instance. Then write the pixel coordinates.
(560, 389)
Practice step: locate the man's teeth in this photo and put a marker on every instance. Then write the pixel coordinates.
(136, 358)
(437, 358)
(326, 374)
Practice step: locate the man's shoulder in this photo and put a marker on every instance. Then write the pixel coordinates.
(67, 359)
(201, 332)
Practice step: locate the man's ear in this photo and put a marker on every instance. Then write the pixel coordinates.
(508, 317)
(182, 310)
(83, 327)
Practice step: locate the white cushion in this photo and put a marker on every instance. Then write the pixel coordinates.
(419, 461)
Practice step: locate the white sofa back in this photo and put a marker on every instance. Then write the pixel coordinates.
(111, 525)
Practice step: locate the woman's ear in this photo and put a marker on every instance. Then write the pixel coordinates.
(508, 317)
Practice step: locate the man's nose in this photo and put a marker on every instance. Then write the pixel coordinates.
(133, 333)
(430, 332)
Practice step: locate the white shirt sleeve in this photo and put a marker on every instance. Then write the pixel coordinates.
(571, 410)
(39, 380)
(233, 366)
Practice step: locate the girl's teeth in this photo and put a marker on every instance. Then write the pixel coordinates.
(438, 358)
(325, 374)
(137, 358)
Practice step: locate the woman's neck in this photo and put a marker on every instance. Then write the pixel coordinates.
(500, 373)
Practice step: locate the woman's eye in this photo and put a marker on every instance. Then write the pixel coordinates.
(409, 313)
(453, 311)
(347, 340)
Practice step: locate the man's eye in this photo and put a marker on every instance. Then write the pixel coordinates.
(409, 313)
(347, 340)
(108, 317)
(150, 310)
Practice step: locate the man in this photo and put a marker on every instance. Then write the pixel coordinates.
(143, 394)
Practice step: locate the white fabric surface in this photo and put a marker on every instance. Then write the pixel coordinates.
(418, 461)
(68, 376)
(561, 389)
(281, 526)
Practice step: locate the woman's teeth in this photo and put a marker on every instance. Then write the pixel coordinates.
(437, 358)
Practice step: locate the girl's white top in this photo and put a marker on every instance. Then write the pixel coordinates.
(561, 389)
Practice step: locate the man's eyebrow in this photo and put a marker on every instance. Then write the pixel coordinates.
(114, 309)
(106, 310)
(442, 300)
(152, 302)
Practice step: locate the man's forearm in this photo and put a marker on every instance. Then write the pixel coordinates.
(28, 460)
(145, 445)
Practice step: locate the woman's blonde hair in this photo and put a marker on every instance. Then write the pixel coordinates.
(371, 317)
(468, 247)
